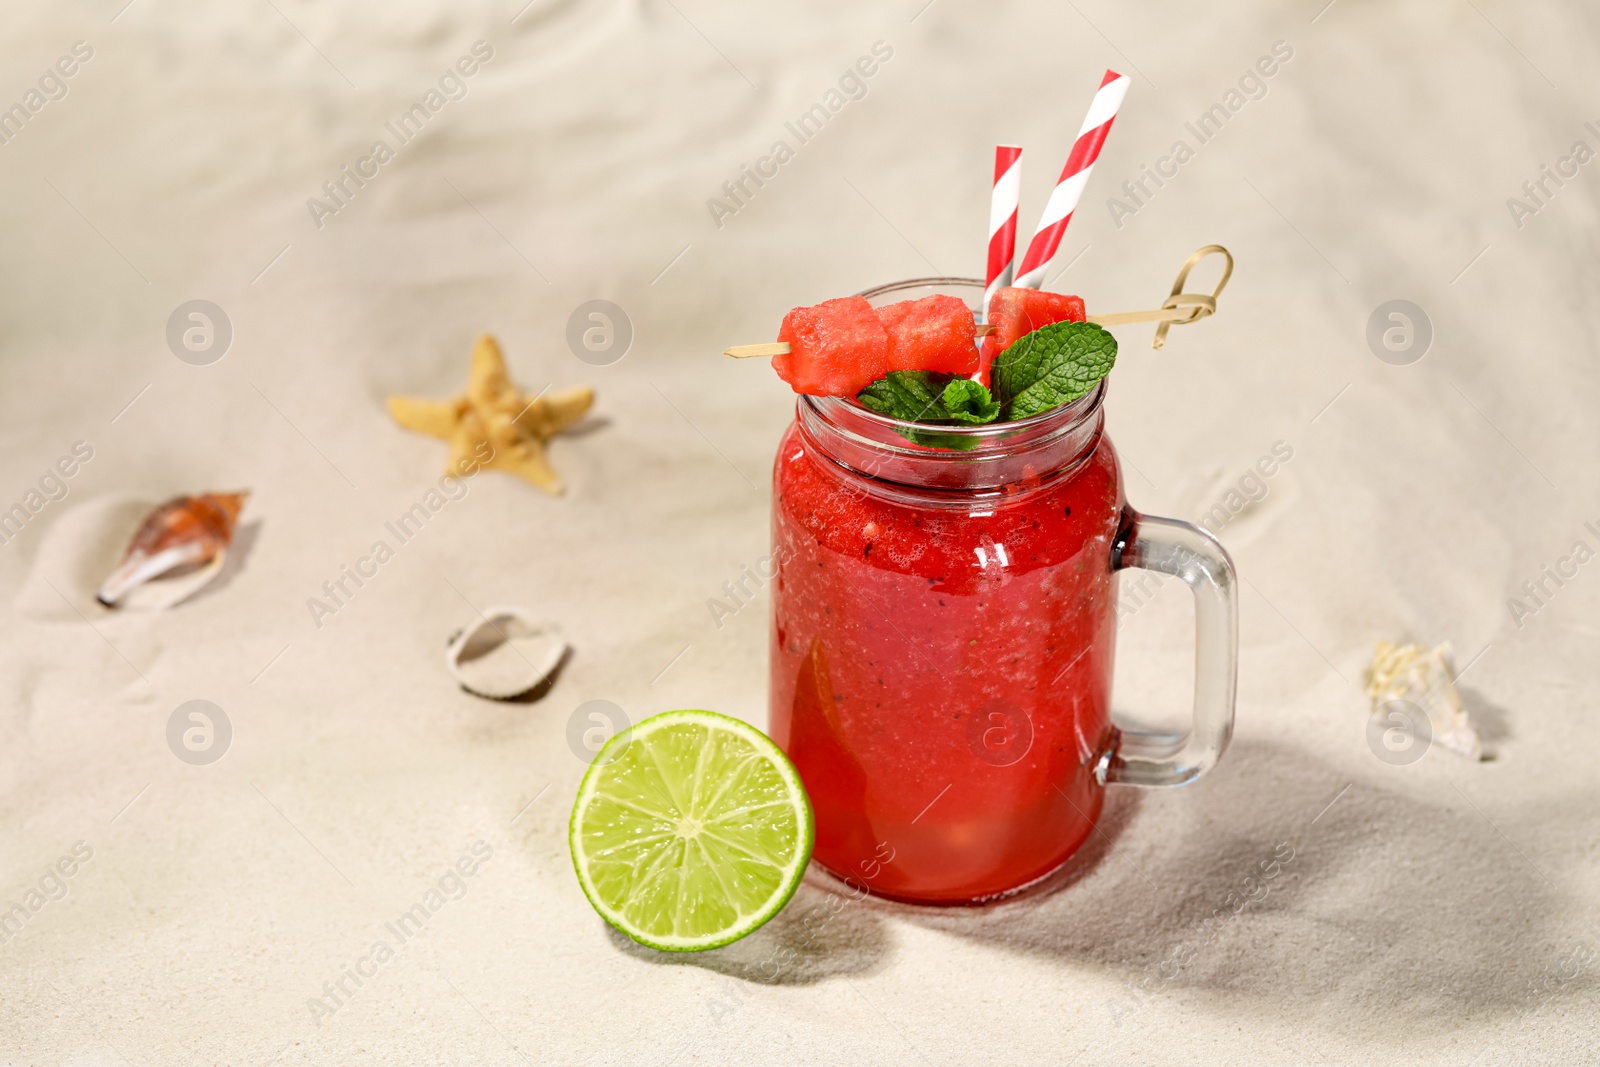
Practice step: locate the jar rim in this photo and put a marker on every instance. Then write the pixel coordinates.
(878, 446)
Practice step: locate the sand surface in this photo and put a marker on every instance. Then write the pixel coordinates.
(1437, 912)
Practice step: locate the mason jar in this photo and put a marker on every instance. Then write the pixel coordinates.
(943, 633)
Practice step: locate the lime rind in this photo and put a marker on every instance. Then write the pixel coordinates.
(749, 837)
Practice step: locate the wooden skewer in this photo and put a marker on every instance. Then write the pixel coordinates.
(1180, 309)
(775, 348)
(781, 348)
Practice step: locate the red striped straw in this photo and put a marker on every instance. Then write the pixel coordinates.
(1074, 176)
(1003, 219)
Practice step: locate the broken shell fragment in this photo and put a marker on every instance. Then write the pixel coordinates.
(506, 653)
(1425, 677)
(191, 533)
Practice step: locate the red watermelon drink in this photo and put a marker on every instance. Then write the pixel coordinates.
(944, 626)
(947, 517)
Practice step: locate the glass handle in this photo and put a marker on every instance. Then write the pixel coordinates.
(1184, 551)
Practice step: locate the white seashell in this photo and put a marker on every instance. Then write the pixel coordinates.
(507, 652)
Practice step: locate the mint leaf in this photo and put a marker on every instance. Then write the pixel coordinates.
(922, 396)
(912, 395)
(1051, 366)
(968, 401)
(935, 439)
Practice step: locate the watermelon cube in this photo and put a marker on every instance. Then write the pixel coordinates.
(935, 333)
(1015, 312)
(836, 348)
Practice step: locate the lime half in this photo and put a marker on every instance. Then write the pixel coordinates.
(690, 830)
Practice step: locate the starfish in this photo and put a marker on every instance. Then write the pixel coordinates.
(493, 412)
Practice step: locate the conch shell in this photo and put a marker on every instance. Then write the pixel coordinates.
(187, 532)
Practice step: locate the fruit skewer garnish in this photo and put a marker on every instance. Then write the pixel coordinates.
(930, 361)
(862, 333)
